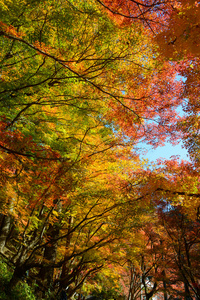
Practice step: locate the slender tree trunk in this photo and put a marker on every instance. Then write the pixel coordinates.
(64, 273)
(187, 292)
(130, 296)
(164, 286)
(5, 228)
(165, 290)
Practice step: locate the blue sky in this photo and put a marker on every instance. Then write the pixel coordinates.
(166, 152)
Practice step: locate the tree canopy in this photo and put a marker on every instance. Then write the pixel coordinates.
(82, 84)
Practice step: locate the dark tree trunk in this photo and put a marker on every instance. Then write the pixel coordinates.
(64, 273)
(46, 272)
(187, 292)
(19, 273)
(164, 286)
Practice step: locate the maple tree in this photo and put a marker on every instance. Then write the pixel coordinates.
(82, 83)
(177, 37)
(174, 27)
(168, 263)
(183, 241)
(181, 37)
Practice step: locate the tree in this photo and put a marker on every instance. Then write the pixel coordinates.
(153, 15)
(174, 27)
(180, 38)
(182, 242)
(79, 90)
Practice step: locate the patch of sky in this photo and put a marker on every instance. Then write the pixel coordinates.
(168, 150)
(165, 152)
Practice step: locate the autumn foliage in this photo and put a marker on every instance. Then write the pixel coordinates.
(82, 85)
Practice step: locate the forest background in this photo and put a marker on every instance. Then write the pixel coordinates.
(83, 84)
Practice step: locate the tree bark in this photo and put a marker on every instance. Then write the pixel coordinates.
(5, 228)
(19, 273)
(50, 252)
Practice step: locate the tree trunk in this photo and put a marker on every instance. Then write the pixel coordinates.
(5, 228)
(64, 273)
(165, 290)
(19, 273)
(187, 292)
(164, 286)
(46, 272)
